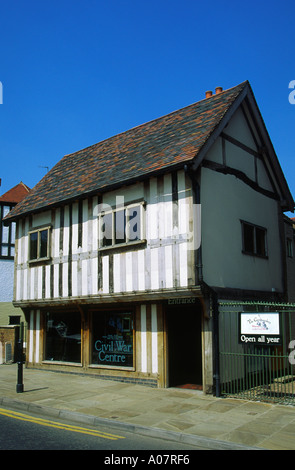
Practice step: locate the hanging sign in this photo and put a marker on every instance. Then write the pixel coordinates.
(260, 328)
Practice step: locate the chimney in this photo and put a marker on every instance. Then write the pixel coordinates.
(218, 90)
(208, 94)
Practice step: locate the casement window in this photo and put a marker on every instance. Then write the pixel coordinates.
(7, 234)
(39, 244)
(254, 239)
(289, 248)
(121, 226)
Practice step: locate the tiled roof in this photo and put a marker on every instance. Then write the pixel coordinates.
(159, 145)
(15, 194)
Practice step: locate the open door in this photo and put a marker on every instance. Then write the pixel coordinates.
(184, 346)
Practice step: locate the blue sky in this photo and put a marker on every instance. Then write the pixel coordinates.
(76, 72)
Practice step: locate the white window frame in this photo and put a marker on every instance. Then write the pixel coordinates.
(129, 241)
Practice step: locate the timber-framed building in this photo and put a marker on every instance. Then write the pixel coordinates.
(124, 248)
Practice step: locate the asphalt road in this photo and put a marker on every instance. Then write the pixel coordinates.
(24, 431)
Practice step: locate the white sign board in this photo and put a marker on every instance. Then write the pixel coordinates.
(261, 328)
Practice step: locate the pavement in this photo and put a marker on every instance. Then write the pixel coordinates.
(182, 415)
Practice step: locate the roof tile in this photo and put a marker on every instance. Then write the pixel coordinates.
(15, 194)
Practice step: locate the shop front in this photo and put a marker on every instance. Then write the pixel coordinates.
(157, 344)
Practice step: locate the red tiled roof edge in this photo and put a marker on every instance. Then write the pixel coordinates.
(15, 194)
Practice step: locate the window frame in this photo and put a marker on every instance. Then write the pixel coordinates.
(128, 241)
(38, 230)
(255, 228)
(11, 229)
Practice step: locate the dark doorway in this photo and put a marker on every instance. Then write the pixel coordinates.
(184, 346)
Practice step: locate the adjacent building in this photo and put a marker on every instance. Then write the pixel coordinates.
(124, 249)
(9, 315)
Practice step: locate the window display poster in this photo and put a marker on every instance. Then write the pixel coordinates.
(113, 339)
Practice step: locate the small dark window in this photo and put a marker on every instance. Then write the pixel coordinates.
(248, 238)
(33, 245)
(260, 241)
(39, 244)
(289, 248)
(254, 240)
(43, 243)
(14, 319)
(107, 229)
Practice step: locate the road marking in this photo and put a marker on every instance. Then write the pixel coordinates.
(54, 424)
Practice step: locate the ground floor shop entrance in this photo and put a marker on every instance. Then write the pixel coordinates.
(184, 346)
(158, 344)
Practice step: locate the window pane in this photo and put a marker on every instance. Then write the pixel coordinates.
(6, 210)
(248, 238)
(134, 223)
(43, 243)
(289, 248)
(120, 224)
(13, 232)
(112, 339)
(33, 245)
(5, 234)
(106, 229)
(4, 251)
(260, 242)
(63, 337)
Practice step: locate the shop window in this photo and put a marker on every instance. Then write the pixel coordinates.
(63, 337)
(112, 339)
(122, 226)
(254, 240)
(39, 247)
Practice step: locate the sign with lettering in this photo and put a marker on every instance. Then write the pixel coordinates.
(113, 350)
(182, 301)
(260, 328)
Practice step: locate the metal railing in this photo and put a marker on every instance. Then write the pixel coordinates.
(252, 371)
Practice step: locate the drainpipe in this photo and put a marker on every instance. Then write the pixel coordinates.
(216, 375)
(205, 287)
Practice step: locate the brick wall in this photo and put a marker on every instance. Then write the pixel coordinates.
(8, 338)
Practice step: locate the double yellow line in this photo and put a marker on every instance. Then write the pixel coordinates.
(54, 424)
